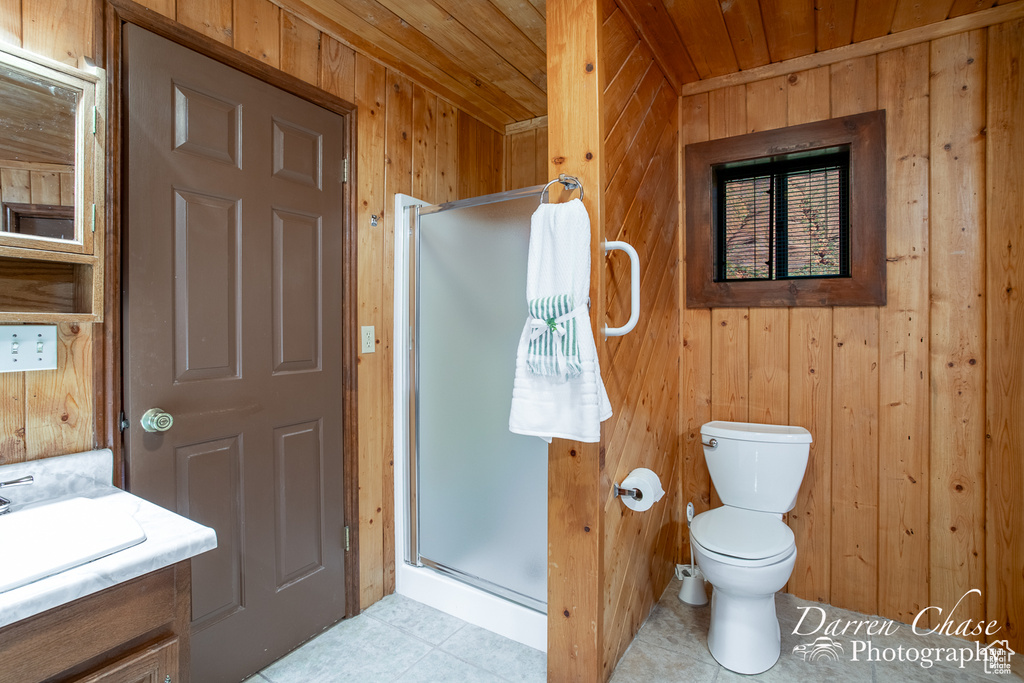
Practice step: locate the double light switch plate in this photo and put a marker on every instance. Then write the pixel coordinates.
(28, 347)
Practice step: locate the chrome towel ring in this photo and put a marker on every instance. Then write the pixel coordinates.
(569, 181)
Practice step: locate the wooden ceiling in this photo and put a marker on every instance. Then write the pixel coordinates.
(489, 56)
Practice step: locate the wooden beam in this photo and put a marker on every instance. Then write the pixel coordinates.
(575, 533)
(969, 22)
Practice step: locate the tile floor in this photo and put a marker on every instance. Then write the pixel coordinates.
(401, 640)
(672, 647)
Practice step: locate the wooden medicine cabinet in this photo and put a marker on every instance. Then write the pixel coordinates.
(52, 177)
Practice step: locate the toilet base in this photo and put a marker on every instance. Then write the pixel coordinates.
(744, 636)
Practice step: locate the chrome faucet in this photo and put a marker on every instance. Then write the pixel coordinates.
(5, 505)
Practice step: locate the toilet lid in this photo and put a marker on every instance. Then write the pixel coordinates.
(742, 533)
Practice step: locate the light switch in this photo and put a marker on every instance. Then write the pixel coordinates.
(28, 347)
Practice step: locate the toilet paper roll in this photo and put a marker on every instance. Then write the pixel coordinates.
(649, 485)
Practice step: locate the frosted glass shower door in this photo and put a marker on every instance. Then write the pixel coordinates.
(481, 497)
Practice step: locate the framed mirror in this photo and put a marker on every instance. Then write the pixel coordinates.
(51, 153)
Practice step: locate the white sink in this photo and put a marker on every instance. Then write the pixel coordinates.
(50, 538)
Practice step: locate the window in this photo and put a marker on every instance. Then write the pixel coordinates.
(791, 217)
(783, 219)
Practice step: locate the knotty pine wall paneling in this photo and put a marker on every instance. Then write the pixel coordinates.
(408, 140)
(855, 401)
(641, 369)
(913, 488)
(370, 98)
(903, 339)
(957, 262)
(1004, 379)
(397, 178)
(695, 342)
(526, 157)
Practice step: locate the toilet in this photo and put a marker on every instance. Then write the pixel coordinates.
(743, 548)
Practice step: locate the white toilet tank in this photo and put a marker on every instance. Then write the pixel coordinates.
(756, 466)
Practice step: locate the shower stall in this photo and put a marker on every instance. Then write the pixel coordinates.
(471, 497)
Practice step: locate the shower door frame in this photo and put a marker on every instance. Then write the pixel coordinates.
(416, 209)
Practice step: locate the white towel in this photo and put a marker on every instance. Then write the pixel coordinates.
(559, 264)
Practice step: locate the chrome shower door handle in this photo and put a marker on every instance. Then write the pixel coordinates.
(634, 289)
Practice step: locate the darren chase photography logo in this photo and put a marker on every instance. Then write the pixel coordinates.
(865, 640)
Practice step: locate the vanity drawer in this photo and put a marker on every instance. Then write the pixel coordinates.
(155, 664)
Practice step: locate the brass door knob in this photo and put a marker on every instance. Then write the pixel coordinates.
(156, 420)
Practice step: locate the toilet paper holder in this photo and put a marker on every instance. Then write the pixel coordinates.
(635, 494)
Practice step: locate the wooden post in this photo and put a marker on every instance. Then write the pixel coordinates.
(575, 534)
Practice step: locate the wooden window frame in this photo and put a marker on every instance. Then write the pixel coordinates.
(864, 134)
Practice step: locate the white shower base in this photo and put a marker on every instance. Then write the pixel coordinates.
(478, 607)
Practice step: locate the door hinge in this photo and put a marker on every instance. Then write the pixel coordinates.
(94, 218)
(94, 120)
(122, 422)
(344, 170)
(347, 541)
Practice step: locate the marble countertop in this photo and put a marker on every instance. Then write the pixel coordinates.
(170, 538)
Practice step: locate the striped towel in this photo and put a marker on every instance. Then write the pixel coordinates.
(554, 349)
(558, 265)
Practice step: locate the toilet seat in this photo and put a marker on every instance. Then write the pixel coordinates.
(751, 538)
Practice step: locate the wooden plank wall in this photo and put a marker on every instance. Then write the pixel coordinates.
(914, 406)
(409, 140)
(640, 369)
(1004, 379)
(526, 156)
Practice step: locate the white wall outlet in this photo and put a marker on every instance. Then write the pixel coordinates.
(369, 340)
(28, 347)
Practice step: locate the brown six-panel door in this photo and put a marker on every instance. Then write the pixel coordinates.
(233, 324)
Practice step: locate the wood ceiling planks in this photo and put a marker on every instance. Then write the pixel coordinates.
(789, 27)
(489, 57)
(701, 21)
(716, 37)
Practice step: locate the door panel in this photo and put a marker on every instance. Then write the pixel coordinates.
(206, 126)
(210, 489)
(206, 294)
(297, 154)
(298, 456)
(296, 292)
(233, 324)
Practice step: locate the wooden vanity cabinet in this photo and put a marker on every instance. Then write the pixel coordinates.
(134, 632)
